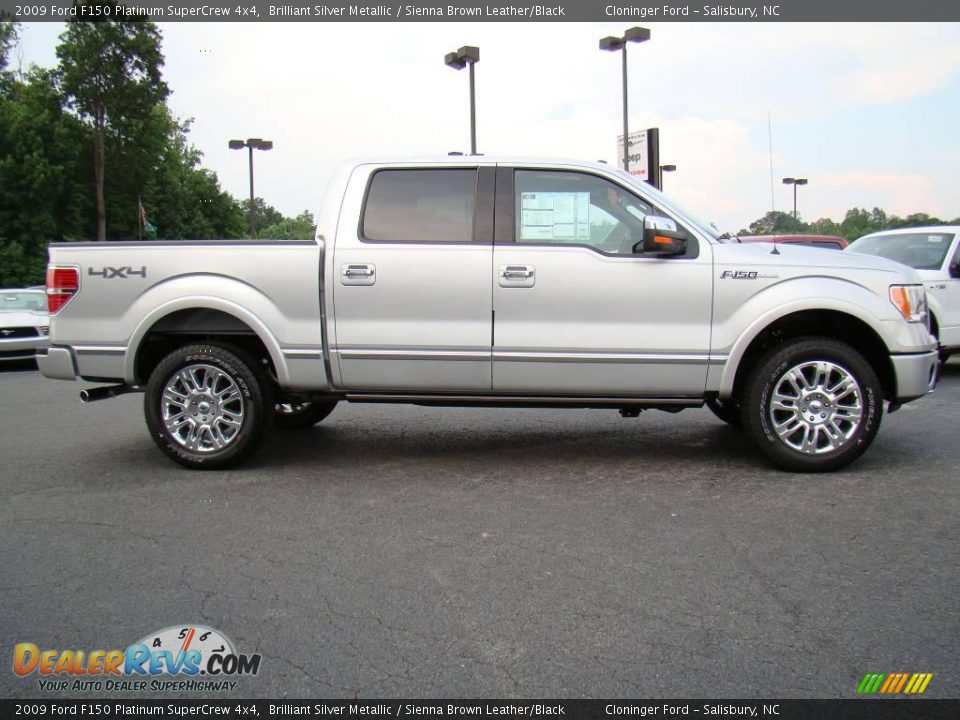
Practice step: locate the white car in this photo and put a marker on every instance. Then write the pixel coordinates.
(24, 323)
(934, 252)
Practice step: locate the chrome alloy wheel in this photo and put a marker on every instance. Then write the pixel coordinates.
(816, 407)
(202, 408)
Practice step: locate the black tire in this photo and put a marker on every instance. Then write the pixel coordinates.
(819, 450)
(296, 416)
(725, 410)
(239, 404)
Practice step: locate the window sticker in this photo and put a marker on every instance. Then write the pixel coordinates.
(555, 216)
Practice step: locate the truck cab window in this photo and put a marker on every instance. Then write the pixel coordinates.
(420, 206)
(570, 208)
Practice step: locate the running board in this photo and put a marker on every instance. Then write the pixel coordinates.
(528, 401)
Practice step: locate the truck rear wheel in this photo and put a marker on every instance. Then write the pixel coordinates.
(207, 406)
(812, 405)
(295, 416)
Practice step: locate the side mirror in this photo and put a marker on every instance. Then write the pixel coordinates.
(661, 238)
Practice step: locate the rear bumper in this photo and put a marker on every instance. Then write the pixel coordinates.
(57, 363)
(916, 375)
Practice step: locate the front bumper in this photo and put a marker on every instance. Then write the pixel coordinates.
(916, 374)
(57, 363)
(23, 348)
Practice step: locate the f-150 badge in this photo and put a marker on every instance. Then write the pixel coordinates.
(744, 275)
(120, 272)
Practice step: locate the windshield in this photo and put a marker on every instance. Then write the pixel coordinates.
(36, 301)
(921, 250)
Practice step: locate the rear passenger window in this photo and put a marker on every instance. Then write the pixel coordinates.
(430, 206)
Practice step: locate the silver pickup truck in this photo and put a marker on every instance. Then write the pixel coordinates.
(478, 281)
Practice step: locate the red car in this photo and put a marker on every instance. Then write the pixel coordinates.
(831, 242)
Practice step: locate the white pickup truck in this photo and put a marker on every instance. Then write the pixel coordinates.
(492, 282)
(934, 252)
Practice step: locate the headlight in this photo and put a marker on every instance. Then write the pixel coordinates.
(911, 301)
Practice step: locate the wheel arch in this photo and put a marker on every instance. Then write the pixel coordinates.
(831, 323)
(189, 320)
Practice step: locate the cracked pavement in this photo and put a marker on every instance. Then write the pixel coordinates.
(398, 551)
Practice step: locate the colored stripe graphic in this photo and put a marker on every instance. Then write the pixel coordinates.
(890, 682)
(894, 683)
(870, 683)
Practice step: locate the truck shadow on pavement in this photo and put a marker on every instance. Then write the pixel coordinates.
(430, 447)
(513, 448)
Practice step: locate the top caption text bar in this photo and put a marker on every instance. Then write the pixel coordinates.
(497, 10)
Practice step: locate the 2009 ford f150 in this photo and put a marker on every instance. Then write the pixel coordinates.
(482, 281)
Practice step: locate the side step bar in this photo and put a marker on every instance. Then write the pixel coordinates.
(528, 401)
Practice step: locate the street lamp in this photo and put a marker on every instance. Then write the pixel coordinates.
(467, 55)
(252, 144)
(663, 169)
(612, 43)
(795, 182)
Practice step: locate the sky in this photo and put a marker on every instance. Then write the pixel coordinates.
(867, 112)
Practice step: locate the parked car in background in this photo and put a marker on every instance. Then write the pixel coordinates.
(830, 242)
(24, 323)
(934, 252)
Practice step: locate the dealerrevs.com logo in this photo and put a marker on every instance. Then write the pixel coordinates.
(179, 658)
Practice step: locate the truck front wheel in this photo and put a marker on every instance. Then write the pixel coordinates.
(207, 406)
(812, 405)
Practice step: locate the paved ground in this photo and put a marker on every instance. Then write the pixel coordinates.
(400, 551)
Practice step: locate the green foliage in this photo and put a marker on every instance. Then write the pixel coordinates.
(44, 173)
(110, 75)
(8, 39)
(110, 71)
(856, 223)
(47, 173)
(267, 215)
(302, 227)
(824, 226)
(19, 268)
(774, 222)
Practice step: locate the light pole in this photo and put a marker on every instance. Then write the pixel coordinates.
(252, 144)
(795, 182)
(663, 169)
(467, 55)
(612, 43)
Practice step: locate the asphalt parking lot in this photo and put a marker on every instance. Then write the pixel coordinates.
(418, 552)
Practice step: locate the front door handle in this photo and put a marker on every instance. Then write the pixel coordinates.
(516, 272)
(358, 274)
(517, 275)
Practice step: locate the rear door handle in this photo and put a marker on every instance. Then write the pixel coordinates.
(517, 275)
(358, 274)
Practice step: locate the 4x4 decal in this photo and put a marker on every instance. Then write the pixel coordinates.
(120, 272)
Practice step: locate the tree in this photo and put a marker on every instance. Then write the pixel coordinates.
(109, 73)
(775, 222)
(184, 200)
(9, 34)
(856, 223)
(267, 215)
(42, 164)
(302, 227)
